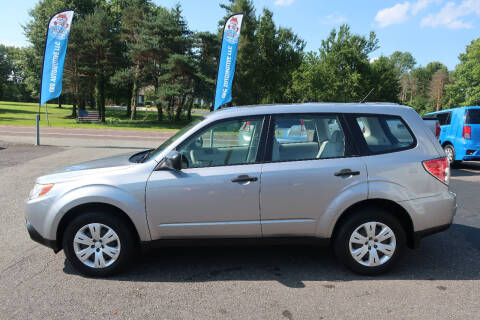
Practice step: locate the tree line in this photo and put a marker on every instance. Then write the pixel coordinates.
(118, 48)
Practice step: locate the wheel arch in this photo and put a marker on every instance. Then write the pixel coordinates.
(93, 206)
(446, 142)
(391, 206)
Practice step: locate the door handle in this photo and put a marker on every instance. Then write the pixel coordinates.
(244, 178)
(346, 172)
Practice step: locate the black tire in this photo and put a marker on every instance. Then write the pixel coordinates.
(341, 242)
(117, 224)
(449, 148)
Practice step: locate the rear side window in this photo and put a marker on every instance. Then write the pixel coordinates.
(384, 133)
(444, 118)
(472, 116)
(307, 137)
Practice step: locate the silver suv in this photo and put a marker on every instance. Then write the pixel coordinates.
(368, 179)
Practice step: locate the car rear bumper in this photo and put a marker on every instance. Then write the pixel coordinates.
(431, 212)
(419, 235)
(35, 236)
(469, 152)
(473, 156)
(431, 215)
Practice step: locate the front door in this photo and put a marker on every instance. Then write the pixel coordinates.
(216, 194)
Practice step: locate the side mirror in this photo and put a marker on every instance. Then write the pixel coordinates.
(173, 161)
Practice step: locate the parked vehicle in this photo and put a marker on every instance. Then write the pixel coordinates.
(433, 125)
(460, 132)
(367, 179)
(285, 131)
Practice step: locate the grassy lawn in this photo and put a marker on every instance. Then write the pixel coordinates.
(23, 114)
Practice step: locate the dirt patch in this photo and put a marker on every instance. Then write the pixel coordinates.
(13, 154)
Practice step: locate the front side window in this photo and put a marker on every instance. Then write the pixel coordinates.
(307, 137)
(227, 142)
(384, 133)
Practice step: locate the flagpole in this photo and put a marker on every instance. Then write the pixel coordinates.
(56, 40)
(46, 109)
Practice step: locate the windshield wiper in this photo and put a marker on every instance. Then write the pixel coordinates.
(146, 155)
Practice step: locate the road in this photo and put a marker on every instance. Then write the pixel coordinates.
(441, 280)
(81, 137)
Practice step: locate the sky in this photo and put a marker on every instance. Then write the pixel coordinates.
(432, 30)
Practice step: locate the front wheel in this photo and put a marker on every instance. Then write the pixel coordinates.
(98, 244)
(370, 241)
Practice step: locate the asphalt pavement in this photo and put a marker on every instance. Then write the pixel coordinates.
(441, 280)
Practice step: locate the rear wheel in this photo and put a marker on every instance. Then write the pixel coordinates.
(370, 241)
(98, 244)
(450, 152)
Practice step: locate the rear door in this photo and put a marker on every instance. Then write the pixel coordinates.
(302, 177)
(472, 119)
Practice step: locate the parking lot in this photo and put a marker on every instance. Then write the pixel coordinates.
(441, 280)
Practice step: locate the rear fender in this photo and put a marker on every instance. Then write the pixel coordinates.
(349, 196)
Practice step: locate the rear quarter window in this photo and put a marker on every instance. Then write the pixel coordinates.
(472, 116)
(383, 133)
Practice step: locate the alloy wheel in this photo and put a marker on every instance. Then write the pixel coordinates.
(96, 245)
(372, 244)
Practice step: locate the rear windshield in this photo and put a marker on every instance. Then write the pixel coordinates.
(473, 116)
(384, 133)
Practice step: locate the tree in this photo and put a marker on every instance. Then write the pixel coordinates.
(100, 41)
(340, 72)
(437, 87)
(206, 47)
(139, 47)
(178, 74)
(465, 89)
(403, 61)
(5, 68)
(384, 80)
(280, 54)
(35, 31)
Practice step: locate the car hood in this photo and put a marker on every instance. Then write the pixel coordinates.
(96, 167)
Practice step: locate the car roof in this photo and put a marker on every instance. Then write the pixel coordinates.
(453, 109)
(371, 107)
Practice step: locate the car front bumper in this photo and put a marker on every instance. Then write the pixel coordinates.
(35, 236)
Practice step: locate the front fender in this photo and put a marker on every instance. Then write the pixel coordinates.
(132, 203)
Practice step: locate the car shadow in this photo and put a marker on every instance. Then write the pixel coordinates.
(452, 255)
(466, 169)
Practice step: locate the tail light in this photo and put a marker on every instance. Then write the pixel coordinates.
(437, 130)
(246, 127)
(439, 168)
(467, 132)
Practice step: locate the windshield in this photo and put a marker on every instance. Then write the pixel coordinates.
(172, 139)
(473, 116)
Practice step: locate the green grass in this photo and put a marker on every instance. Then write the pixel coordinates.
(23, 114)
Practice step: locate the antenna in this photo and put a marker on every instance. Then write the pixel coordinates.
(363, 100)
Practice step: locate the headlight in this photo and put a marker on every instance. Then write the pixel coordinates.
(40, 190)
